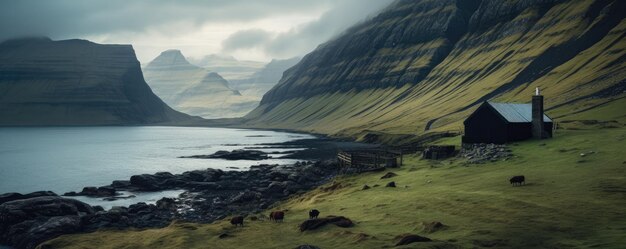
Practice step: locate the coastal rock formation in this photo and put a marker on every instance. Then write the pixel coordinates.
(17, 196)
(27, 222)
(194, 90)
(94, 192)
(75, 82)
(212, 193)
(253, 155)
(425, 65)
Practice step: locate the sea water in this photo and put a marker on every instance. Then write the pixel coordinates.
(63, 159)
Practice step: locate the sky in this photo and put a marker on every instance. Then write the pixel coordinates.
(258, 30)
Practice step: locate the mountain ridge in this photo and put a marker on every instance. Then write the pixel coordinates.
(75, 82)
(193, 89)
(422, 66)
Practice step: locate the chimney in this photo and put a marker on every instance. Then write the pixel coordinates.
(537, 115)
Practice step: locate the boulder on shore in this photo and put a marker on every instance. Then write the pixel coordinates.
(158, 181)
(94, 192)
(254, 155)
(25, 223)
(17, 196)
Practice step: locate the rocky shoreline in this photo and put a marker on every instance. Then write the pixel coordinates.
(27, 220)
(210, 194)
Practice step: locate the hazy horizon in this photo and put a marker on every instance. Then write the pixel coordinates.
(246, 30)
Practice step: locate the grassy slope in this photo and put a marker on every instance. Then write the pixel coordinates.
(569, 201)
(453, 84)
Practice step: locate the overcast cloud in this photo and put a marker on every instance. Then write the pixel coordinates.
(247, 29)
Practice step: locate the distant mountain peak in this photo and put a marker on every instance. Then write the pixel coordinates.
(170, 57)
(213, 75)
(193, 89)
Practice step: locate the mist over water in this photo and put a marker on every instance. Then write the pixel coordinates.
(63, 159)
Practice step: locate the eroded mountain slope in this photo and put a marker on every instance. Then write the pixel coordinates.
(76, 82)
(425, 65)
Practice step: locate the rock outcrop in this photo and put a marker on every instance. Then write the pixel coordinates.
(254, 155)
(411, 238)
(312, 224)
(213, 193)
(17, 196)
(426, 65)
(75, 82)
(194, 90)
(28, 220)
(33, 219)
(25, 223)
(481, 153)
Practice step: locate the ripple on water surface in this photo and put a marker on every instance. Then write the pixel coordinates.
(63, 159)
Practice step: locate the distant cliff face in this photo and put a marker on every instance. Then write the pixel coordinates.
(194, 90)
(266, 78)
(424, 65)
(75, 82)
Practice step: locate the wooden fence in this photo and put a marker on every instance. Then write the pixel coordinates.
(363, 160)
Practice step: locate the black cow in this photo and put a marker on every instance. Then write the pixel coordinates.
(313, 214)
(519, 180)
(237, 220)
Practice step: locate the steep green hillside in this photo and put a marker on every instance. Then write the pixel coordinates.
(425, 65)
(569, 201)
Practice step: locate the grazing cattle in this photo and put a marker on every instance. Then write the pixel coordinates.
(519, 180)
(277, 216)
(313, 214)
(237, 220)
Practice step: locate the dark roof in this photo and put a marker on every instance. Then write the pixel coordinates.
(516, 113)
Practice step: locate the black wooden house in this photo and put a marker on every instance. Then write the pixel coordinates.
(507, 122)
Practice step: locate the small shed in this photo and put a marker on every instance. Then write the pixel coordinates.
(500, 123)
(365, 160)
(437, 152)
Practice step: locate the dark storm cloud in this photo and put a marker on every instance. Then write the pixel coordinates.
(306, 37)
(77, 18)
(194, 25)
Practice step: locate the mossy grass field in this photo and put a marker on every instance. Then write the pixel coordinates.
(569, 201)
